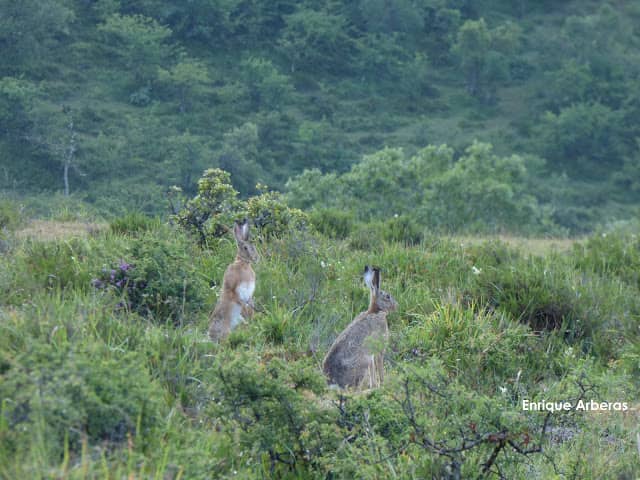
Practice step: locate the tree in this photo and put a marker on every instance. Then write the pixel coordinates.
(387, 16)
(316, 41)
(186, 80)
(186, 153)
(484, 55)
(140, 43)
(482, 192)
(586, 139)
(16, 104)
(28, 31)
(267, 86)
(472, 47)
(239, 156)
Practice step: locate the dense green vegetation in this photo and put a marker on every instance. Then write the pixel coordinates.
(106, 370)
(113, 102)
(348, 133)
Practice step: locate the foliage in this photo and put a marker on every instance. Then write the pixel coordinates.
(157, 281)
(141, 43)
(480, 192)
(158, 92)
(11, 215)
(332, 222)
(484, 54)
(211, 211)
(271, 216)
(91, 388)
(615, 253)
(66, 397)
(29, 29)
(133, 223)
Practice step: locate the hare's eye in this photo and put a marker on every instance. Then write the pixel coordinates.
(246, 248)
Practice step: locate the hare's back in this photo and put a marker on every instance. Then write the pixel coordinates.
(352, 342)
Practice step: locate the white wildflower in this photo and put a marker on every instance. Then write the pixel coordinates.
(476, 270)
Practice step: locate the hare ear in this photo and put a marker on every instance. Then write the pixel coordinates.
(237, 231)
(368, 276)
(245, 230)
(376, 279)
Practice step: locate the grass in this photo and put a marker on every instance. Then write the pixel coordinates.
(534, 246)
(94, 390)
(50, 230)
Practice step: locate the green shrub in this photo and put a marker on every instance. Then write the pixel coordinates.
(62, 395)
(212, 211)
(533, 291)
(158, 278)
(133, 223)
(272, 217)
(366, 236)
(332, 222)
(57, 265)
(611, 254)
(264, 407)
(402, 229)
(10, 215)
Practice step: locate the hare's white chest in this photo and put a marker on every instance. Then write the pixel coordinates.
(244, 290)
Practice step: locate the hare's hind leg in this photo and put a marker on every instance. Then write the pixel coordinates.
(219, 326)
(379, 361)
(370, 378)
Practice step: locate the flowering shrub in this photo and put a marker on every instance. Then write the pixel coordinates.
(120, 281)
(159, 282)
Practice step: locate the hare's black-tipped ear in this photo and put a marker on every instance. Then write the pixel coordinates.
(245, 230)
(368, 276)
(376, 278)
(237, 230)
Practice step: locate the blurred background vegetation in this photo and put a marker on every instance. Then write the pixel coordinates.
(111, 102)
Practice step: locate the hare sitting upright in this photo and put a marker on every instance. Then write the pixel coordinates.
(353, 360)
(238, 284)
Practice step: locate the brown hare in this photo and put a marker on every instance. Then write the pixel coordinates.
(239, 282)
(354, 360)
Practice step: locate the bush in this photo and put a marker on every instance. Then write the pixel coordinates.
(134, 223)
(213, 210)
(10, 215)
(264, 407)
(68, 394)
(158, 279)
(536, 292)
(57, 265)
(209, 214)
(366, 236)
(402, 229)
(272, 217)
(611, 254)
(332, 222)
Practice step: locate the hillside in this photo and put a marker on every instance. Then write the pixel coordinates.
(129, 98)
